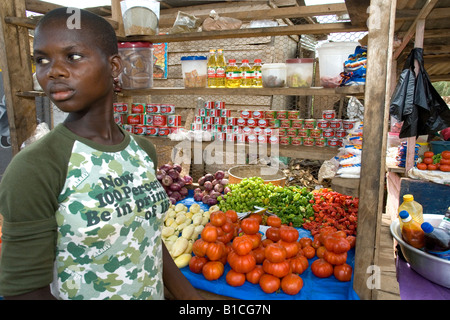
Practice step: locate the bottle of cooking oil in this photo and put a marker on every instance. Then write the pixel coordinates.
(414, 209)
(246, 74)
(212, 65)
(257, 76)
(220, 69)
(233, 75)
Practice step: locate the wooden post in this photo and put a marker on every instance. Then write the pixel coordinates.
(377, 96)
(16, 65)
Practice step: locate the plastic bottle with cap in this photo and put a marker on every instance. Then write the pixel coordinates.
(412, 233)
(437, 240)
(414, 208)
(445, 223)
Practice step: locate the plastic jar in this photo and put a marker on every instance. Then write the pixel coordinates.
(194, 69)
(299, 72)
(140, 20)
(273, 75)
(137, 60)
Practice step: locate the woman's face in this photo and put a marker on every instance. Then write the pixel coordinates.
(71, 68)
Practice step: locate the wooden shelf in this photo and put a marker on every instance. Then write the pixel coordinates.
(301, 152)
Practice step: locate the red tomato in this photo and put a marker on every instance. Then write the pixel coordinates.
(215, 250)
(242, 246)
(277, 269)
(269, 283)
(228, 226)
(275, 252)
(297, 264)
(428, 154)
(209, 233)
(196, 264)
(335, 258)
(336, 245)
(309, 252)
(321, 268)
(305, 241)
(343, 272)
(259, 254)
(427, 160)
(291, 248)
(432, 167)
(445, 154)
(255, 238)
(254, 275)
(274, 221)
(273, 234)
(212, 270)
(445, 167)
(422, 166)
(444, 161)
(199, 247)
(352, 241)
(242, 264)
(256, 216)
(218, 218)
(320, 252)
(250, 225)
(288, 234)
(266, 242)
(232, 215)
(291, 284)
(235, 279)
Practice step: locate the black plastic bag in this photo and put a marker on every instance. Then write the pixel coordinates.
(416, 102)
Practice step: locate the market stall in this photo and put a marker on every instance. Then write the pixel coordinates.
(380, 22)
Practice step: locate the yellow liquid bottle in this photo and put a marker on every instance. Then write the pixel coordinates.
(257, 76)
(220, 69)
(246, 74)
(414, 209)
(212, 69)
(233, 75)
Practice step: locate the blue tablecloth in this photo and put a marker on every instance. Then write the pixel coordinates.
(314, 288)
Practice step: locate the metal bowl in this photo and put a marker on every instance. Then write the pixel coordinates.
(430, 267)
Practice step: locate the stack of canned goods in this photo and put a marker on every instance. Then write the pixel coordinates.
(147, 119)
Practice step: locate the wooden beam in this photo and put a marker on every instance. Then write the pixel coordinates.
(373, 161)
(357, 10)
(436, 13)
(423, 14)
(15, 61)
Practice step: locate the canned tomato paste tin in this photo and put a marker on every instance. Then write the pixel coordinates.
(232, 121)
(282, 132)
(201, 112)
(135, 119)
(274, 139)
(309, 124)
(270, 114)
(257, 130)
(258, 114)
(167, 108)
(296, 141)
(140, 129)
(315, 133)
(173, 120)
(152, 131)
(160, 120)
(263, 138)
(128, 127)
(268, 131)
(263, 123)
(328, 114)
(245, 114)
(219, 104)
(328, 133)
(210, 104)
(119, 107)
(209, 120)
(282, 114)
(212, 112)
(240, 137)
(297, 123)
(333, 142)
(219, 120)
(285, 123)
(323, 124)
(321, 142)
(274, 123)
(199, 119)
(348, 124)
(163, 131)
(241, 122)
(230, 137)
(340, 133)
(120, 118)
(153, 108)
(285, 140)
(148, 119)
(237, 129)
(251, 138)
(196, 126)
(291, 132)
(138, 107)
(225, 113)
(336, 124)
(293, 115)
(308, 141)
(206, 127)
(302, 132)
(247, 130)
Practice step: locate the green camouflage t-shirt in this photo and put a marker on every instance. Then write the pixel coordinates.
(109, 212)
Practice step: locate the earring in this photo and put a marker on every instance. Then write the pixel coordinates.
(116, 84)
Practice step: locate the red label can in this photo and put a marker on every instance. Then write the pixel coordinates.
(219, 104)
(241, 138)
(153, 108)
(291, 132)
(282, 132)
(135, 119)
(308, 141)
(241, 122)
(263, 123)
(328, 133)
(237, 129)
(285, 123)
(138, 107)
(247, 130)
(209, 104)
(282, 115)
(167, 108)
(202, 112)
(309, 124)
(296, 141)
(230, 137)
(232, 121)
(163, 131)
(173, 120)
(148, 119)
(269, 114)
(140, 129)
(219, 120)
(258, 114)
(263, 138)
(328, 114)
(252, 122)
(293, 115)
(285, 140)
(128, 127)
(160, 120)
(225, 113)
(245, 114)
(323, 124)
(220, 136)
(297, 123)
(120, 118)
(336, 124)
(120, 107)
(251, 138)
(209, 120)
(196, 126)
